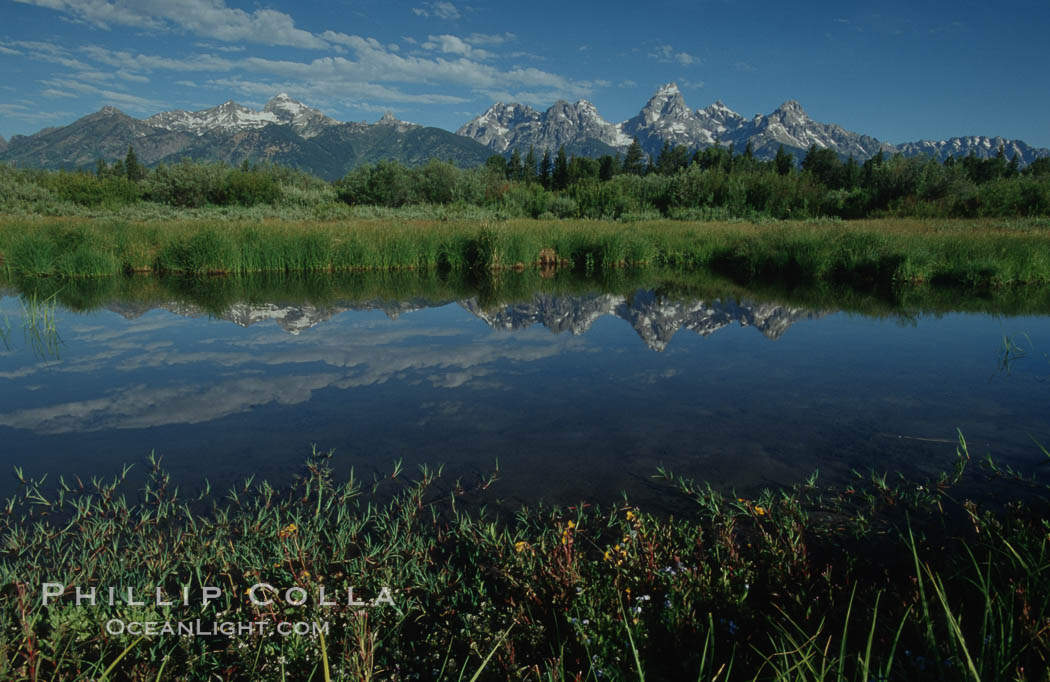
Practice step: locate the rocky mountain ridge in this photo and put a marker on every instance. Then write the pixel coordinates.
(291, 133)
(284, 131)
(667, 118)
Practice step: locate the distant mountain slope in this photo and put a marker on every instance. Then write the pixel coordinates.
(285, 131)
(982, 147)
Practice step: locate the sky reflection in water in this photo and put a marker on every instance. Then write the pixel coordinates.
(577, 397)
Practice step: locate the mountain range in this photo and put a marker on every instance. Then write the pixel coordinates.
(290, 133)
(666, 117)
(285, 132)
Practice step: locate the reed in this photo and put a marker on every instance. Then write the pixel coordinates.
(875, 579)
(971, 253)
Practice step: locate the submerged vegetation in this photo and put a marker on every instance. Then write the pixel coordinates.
(878, 579)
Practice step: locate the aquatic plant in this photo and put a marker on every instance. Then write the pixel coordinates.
(879, 578)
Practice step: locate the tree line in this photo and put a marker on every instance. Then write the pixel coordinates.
(712, 182)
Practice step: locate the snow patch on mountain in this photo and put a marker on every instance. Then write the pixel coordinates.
(232, 117)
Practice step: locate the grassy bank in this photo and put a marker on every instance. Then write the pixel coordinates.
(969, 253)
(883, 579)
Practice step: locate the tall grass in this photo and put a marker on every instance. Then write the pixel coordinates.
(870, 580)
(991, 253)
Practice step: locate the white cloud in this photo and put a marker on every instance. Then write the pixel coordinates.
(222, 48)
(53, 92)
(120, 99)
(47, 52)
(7, 50)
(667, 54)
(449, 44)
(132, 62)
(366, 74)
(206, 18)
(490, 38)
(133, 77)
(441, 10)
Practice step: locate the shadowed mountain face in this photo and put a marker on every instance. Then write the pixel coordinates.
(655, 319)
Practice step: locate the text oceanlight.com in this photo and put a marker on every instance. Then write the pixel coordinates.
(202, 628)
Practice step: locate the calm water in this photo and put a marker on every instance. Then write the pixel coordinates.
(578, 396)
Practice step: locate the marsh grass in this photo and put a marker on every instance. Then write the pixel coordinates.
(976, 254)
(39, 326)
(875, 579)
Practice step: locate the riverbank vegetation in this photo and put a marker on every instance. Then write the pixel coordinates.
(880, 578)
(972, 253)
(710, 184)
(492, 290)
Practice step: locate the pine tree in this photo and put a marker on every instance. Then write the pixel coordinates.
(545, 169)
(850, 173)
(530, 165)
(1012, 169)
(560, 177)
(663, 162)
(783, 161)
(634, 163)
(514, 171)
(132, 168)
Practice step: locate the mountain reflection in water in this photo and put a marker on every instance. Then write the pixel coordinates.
(654, 318)
(562, 387)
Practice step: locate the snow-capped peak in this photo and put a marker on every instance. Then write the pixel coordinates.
(668, 90)
(791, 107)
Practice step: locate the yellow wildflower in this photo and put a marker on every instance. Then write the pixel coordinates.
(608, 554)
(288, 531)
(631, 515)
(572, 524)
(520, 546)
(761, 511)
(305, 575)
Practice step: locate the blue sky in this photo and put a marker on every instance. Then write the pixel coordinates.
(896, 71)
